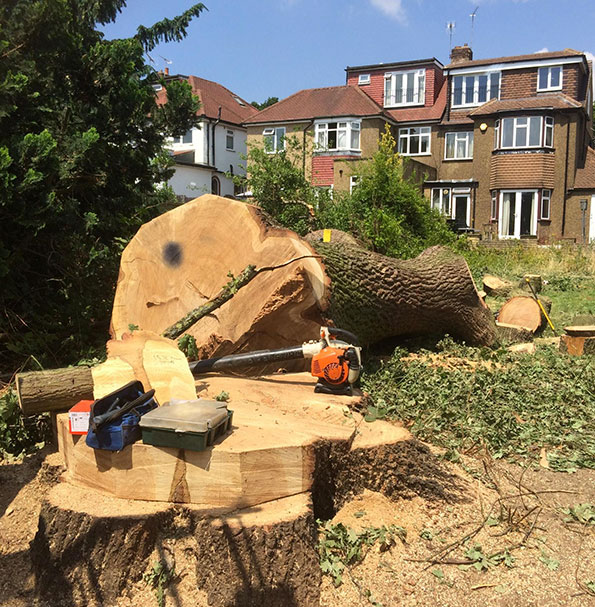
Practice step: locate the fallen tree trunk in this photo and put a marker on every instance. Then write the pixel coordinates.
(182, 259)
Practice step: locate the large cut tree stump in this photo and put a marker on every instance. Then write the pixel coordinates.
(182, 259)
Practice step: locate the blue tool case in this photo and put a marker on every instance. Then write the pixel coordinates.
(114, 419)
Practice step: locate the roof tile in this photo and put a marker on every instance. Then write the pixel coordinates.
(567, 52)
(585, 177)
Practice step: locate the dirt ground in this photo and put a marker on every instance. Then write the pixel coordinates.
(499, 507)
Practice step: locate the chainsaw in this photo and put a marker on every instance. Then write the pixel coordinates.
(336, 360)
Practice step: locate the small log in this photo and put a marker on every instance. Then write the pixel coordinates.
(512, 333)
(53, 390)
(523, 312)
(496, 287)
(577, 346)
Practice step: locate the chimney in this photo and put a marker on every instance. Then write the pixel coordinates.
(166, 69)
(461, 53)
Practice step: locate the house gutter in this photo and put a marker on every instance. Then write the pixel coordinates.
(305, 130)
(214, 125)
(565, 178)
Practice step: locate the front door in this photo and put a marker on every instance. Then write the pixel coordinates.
(518, 214)
(461, 211)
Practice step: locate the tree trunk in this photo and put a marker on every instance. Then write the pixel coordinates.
(521, 311)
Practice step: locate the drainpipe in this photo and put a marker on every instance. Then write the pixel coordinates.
(213, 135)
(304, 146)
(565, 176)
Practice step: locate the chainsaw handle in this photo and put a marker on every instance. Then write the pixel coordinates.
(343, 335)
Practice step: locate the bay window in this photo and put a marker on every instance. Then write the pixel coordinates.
(458, 145)
(524, 132)
(405, 88)
(274, 139)
(338, 136)
(475, 89)
(414, 140)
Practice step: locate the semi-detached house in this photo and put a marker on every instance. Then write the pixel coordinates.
(502, 146)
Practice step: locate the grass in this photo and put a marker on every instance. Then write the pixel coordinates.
(516, 406)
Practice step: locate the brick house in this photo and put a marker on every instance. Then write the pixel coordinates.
(514, 136)
(334, 126)
(500, 146)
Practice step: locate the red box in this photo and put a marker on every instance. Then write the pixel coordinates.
(78, 417)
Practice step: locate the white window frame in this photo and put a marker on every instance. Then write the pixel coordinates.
(545, 212)
(418, 87)
(474, 92)
(466, 137)
(494, 206)
(546, 129)
(517, 216)
(407, 134)
(277, 137)
(441, 197)
(349, 127)
(353, 181)
(229, 137)
(363, 79)
(548, 86)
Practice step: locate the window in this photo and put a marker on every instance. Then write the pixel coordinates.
(475, 89)
(334, 136)
(441, 200)
(494, 207)
(414, 140)
(274, 139)
(546, 196)
(229, 140)
(363, 79)
(525, 132)
(549, 78)
(186, 137)
(458, 145)
(353, 183)
(405, 88)
(215, 186)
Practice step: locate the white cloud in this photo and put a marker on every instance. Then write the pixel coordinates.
(392, 8)
(545, 49)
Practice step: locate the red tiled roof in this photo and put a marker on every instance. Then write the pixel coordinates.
(556, 101)
(420, 114)
(567, 52)
(213, 96)
(457, 117)
(333, 101)
(585, 177)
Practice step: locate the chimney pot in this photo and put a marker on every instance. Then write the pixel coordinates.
(461, 53)
(166, 70)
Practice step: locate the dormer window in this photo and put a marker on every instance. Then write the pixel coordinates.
(475, 89)
(363, 79)
(549, 78)
(405, 88)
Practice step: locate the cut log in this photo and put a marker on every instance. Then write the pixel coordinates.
(181, 259)
(531, 279)
(513, 333)
(496, 287)
(523, 312)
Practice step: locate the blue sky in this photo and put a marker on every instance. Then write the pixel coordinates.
(262, 48)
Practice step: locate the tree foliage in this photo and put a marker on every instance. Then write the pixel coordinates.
(81, 149)
(386, 210)
(266, 103)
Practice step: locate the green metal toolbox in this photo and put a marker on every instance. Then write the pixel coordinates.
(193, 424)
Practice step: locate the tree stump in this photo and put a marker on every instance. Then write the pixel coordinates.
(496, 287)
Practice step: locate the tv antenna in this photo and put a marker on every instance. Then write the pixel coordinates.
(472, 15)
(450, 26)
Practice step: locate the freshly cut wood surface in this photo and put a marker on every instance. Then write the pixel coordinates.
(495, 286)
(521, 312)
(269, 454)
(181, 259)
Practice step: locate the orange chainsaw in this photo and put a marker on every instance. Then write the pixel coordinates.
(336, 360)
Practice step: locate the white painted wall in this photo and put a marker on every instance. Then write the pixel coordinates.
(195, 181)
